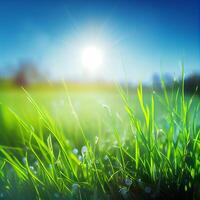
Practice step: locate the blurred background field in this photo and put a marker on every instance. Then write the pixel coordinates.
(92, 103)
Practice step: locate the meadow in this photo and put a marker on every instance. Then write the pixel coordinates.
(99, 144)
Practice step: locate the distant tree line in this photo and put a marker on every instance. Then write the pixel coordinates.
(191, 83)
(27, 74)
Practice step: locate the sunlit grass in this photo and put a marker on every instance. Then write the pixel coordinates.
(141, 146)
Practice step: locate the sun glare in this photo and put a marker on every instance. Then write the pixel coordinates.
(92, 58)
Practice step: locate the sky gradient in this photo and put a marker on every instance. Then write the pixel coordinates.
(138, 38)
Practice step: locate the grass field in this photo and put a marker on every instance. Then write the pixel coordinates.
(119, 144)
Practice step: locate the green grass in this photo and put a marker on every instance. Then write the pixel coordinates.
(99, 145)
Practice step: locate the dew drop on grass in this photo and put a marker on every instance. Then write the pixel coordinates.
(106, 157)
(24, 160)
(75, 151)
(80, 158)
(123, 191)
(75, 186)
(83, 150)
(36, 163)
(50, 166)
(128, 181)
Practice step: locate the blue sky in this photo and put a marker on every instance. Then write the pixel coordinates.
(138, 38)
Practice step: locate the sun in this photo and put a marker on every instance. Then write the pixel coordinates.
(92, 58)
